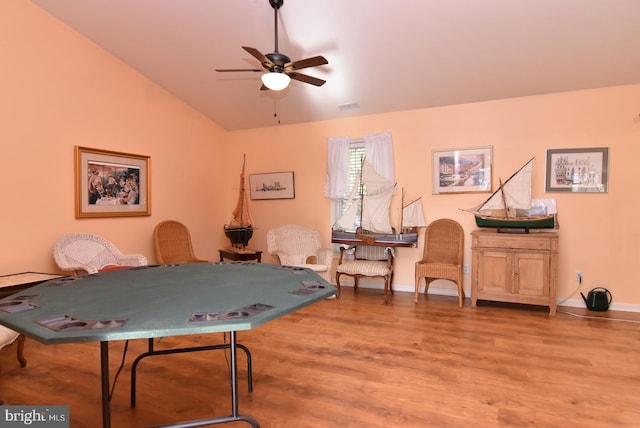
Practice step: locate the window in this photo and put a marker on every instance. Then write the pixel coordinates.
(344, 161)
(356, 154)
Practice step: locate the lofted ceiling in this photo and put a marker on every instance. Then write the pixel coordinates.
(384, 55)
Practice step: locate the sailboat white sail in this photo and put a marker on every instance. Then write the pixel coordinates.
(514, 194)
(370, 201)
(373, 203)
(413, 215)
(511, 205)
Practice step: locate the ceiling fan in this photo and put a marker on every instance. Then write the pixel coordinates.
(280, 69)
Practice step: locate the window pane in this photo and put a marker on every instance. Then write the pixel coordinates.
(356, 154)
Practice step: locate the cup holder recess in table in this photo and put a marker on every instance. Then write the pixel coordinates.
(73, 325)
(19, 304)
(309, 287)
(69, 323)
(236, 314)
(108, 324)
(11, 303)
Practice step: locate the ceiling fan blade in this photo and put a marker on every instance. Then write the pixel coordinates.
(239, 69)
(307, 79)
(309, 62)
(266, 63)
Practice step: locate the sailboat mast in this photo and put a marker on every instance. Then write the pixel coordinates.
(361, 189)
(504, 199)
(402, 210)
(242, 189)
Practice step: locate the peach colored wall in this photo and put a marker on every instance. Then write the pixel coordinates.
(60, 90)
(599, 234)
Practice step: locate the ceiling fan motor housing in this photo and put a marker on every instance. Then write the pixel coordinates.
(279, 61)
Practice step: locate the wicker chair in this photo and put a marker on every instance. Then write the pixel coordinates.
(84, 252)
(8, 337)
(368, 261)
(173, 243)
(294, 245)
(443, 256)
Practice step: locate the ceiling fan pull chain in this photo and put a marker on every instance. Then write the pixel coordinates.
(275, 110)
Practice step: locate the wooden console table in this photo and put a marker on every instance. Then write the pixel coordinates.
(247, 255)
(515, 268)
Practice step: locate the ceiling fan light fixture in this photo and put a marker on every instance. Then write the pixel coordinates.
(275, 81)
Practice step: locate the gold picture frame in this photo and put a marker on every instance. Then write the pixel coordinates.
(111, 184)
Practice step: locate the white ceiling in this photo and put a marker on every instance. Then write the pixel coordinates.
(384, 55)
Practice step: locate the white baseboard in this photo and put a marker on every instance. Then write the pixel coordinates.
(573, 303)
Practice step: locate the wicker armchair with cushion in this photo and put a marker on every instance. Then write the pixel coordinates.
(173, 243)
(294, 245)
(8, 337)
(85, 252)
(368, 261)
(443, 256)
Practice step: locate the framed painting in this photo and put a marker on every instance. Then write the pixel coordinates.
(462, 170)
(272, 185)
(111, 184)
(577, 170)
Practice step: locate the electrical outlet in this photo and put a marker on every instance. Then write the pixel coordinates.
(466, 268)
(579, 276)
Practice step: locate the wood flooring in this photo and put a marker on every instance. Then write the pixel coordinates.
(358, 362)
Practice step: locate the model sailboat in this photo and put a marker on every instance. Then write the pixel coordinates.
(372, 207)
(240, 228)
(511, 206)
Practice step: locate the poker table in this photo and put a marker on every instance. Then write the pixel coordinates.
(161, 301)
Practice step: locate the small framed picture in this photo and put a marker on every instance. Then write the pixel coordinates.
(111, 184)
(462, 170)
(272, 185)
(577, 170)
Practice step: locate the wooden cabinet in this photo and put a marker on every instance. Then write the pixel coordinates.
(515, 268)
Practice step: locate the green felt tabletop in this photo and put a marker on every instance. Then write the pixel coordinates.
(164, 300)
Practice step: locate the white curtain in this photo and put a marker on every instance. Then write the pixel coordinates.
(337, 175)
(378, 152)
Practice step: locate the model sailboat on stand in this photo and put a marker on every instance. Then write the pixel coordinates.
(511, 207)
(370, 202)
(240, 228)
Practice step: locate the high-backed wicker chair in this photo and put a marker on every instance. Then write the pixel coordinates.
(85, 252)
(443, 256)
(368, 261)
(173, 243)
(294, 245)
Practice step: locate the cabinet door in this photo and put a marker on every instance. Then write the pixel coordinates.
(532, 274)
(495, 272)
